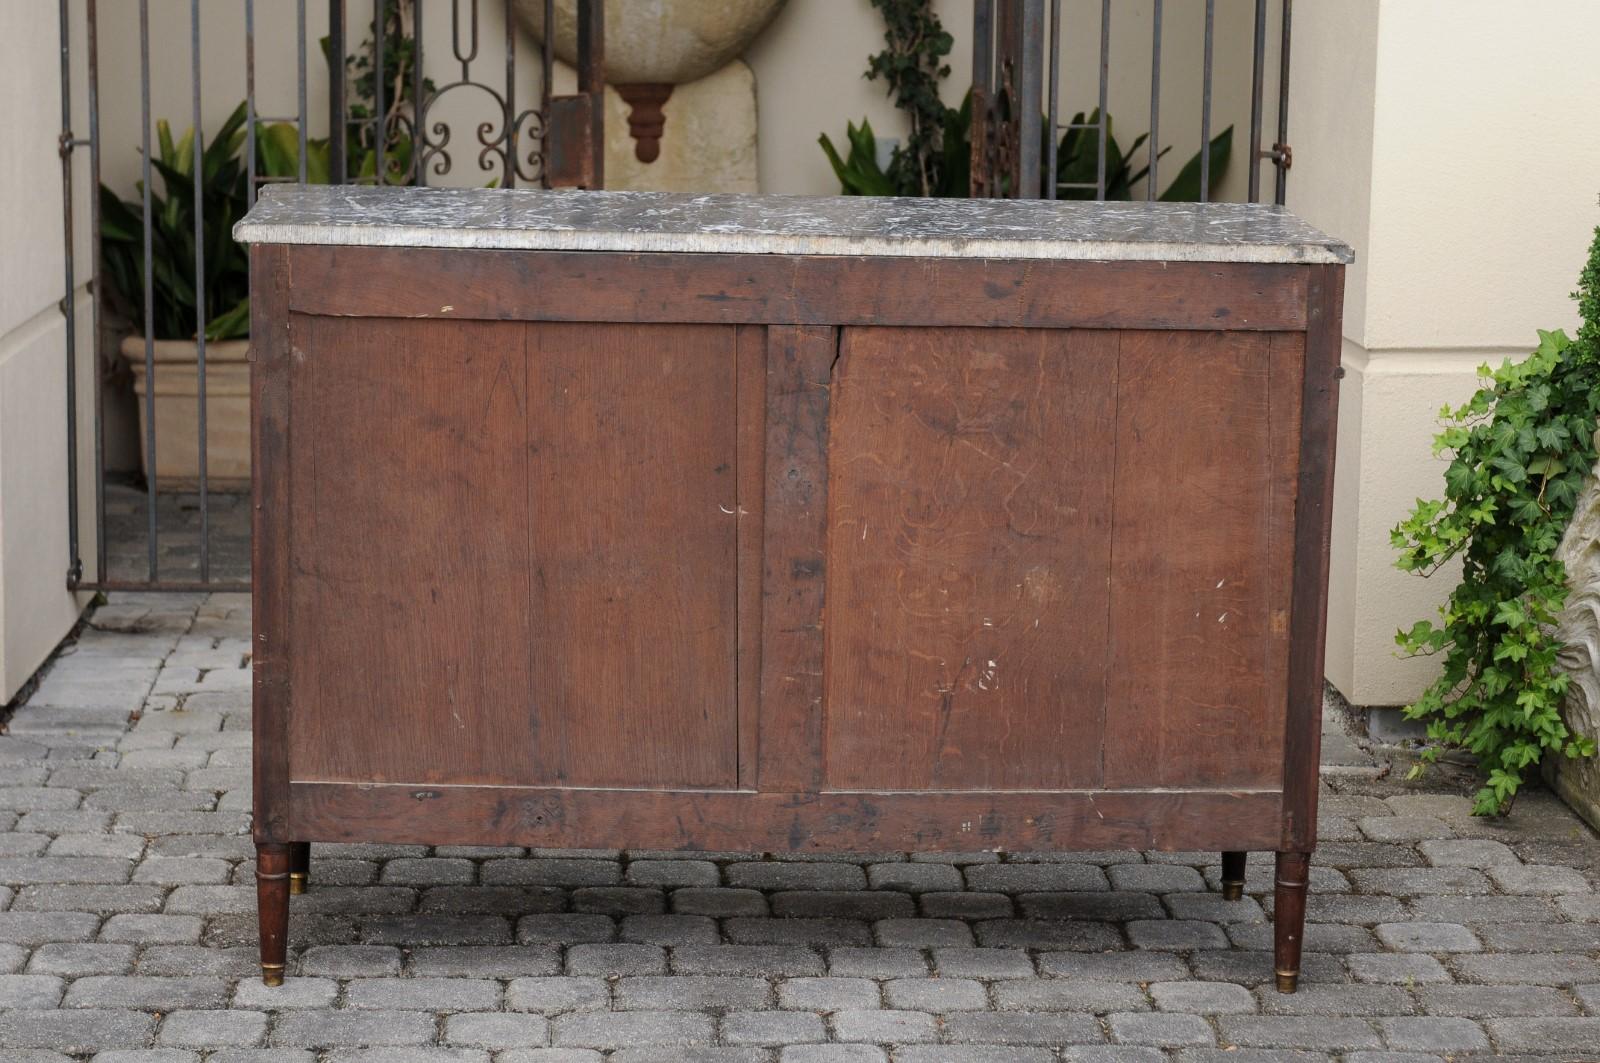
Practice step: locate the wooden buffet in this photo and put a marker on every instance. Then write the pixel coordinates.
(634, 520)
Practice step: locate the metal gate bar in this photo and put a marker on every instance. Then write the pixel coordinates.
(1008, 69)
(555, 154)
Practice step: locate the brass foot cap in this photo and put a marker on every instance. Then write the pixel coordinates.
(272, 974)
(1288, 983)
(297, 882)
(1233, 891)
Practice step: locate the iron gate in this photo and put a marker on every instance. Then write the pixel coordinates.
(384, 126)
(1016, 56)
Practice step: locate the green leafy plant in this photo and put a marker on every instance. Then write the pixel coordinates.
(400, 105)
(936, 156)
(1076, 162)
(1520, 449)
(911, 64)
(223, 191)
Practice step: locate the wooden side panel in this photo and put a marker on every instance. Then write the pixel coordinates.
(1312, 530)
(789, 739)
(633, 531)
(271, 663)
(968, 548)
(1198, 608)
(410, 600)
(781, 822)
(797, 290)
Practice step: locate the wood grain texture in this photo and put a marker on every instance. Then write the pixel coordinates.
(969, 544)
(271, 661)
(789, 744)
(411, 588)
(1192, 597)
(1313, 523)
(751, 466)
(1017, 821)
(633, 533)
(783, 289)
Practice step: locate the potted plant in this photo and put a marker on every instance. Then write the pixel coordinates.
(175, 313)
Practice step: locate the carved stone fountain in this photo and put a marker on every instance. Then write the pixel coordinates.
(654, 45)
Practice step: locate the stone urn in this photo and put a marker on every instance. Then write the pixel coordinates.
(1578, 781)
(177, 412)
(652, 45)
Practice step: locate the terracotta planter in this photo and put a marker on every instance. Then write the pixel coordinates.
(177, 412)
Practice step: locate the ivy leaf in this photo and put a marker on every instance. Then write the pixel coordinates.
(1521, 448)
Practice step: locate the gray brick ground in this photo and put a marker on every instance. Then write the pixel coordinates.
(127, 929)
(884, 1026)
(213, 1029)
(80, 1031)
(835, 1053)
(1161, 1030)
(333, 1029)
(829, 994)
(607, 1030)
(1560, 1036)
(1203, 998)
(1022, 1028)
(496, 1030)
(772, 1028)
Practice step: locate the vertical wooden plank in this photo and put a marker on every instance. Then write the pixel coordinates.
(750, 462)
(800, 361)
(1313, 520)
(1188, 703)
(969, 542)
(633, 529)
(270, 508)
(1286, 376)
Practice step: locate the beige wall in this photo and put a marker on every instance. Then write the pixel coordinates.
(35, 608)
(1455, 145)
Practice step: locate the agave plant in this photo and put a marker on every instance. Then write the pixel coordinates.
(223, 199)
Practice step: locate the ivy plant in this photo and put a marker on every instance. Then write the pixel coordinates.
(912, 64)
(1519, 451)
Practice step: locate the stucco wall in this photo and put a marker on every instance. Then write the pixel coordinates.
(1455, 145)
(35, 608)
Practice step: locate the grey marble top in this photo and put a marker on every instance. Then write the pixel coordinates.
(782, 225)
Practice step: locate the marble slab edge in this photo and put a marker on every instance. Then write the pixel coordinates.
(715, 243)
(660, 222)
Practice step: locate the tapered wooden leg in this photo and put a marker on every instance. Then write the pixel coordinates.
(1289, 918)
(272, 907)
(299, 866)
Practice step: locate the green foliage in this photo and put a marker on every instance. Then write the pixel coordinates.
(912, 63)
(172, 220)
(224, 195)
(936, 157)
(1520, 449)
(860, 175)
(399, 100)
(1076, 162)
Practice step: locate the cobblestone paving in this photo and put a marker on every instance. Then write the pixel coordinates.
(127, 925)
(177, 535)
